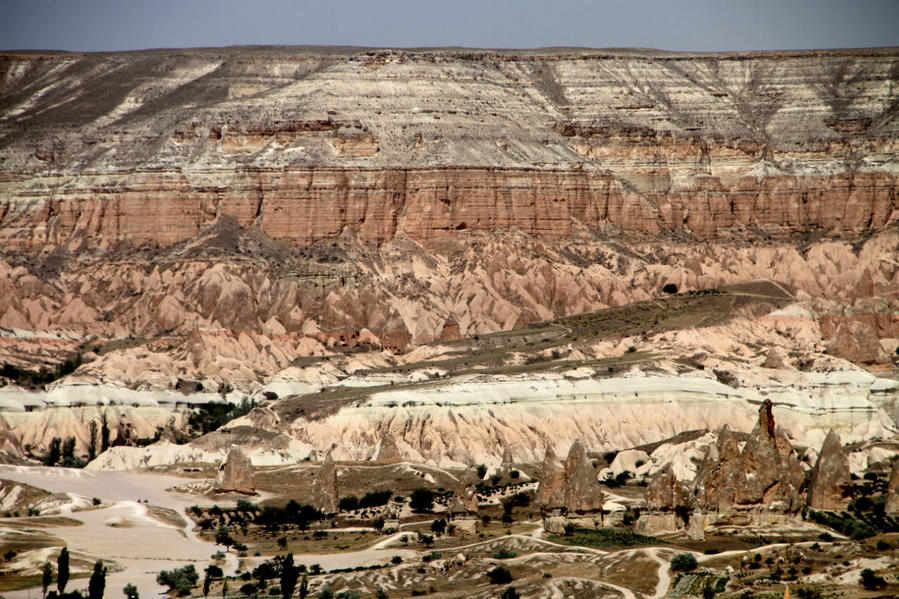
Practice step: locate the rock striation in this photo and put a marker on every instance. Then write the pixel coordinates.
(324, 495)
(830, 476)
(572, 487)
(236, 473)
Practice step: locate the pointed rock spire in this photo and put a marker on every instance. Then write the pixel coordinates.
(465, 499)
(551, 484)
(582, 493)
(829, 476)
(324, 487)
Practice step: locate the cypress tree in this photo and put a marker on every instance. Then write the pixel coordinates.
(97, 583)
(62, 569)
(288, 577)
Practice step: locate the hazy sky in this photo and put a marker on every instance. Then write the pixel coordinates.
(670, 25)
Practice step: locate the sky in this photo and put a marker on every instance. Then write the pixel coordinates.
(688, 25)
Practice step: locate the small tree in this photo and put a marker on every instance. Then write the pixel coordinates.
(304, 587)
(223, 536)
(104, 435)
(131, 591)
(510, 593)
(499, 575)
(438, 526)
(683, 562)
(871, 581)
(288, 577)
(62, 569)
(97, 583)
(54, 453)
(326, 593)
(46, 577)
(181, 579)
(422, 500)
(92, 448)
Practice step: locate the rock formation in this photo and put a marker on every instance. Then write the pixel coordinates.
(721, 481)
(830, 476)
(665, 492)
(324, 495)
(551, 489)
(766, 474)
(856, 341)
(572, 487)
(582, 492)
(387, 450)
(465, 499)
(772, 471)
(892, 491)
(236, 473)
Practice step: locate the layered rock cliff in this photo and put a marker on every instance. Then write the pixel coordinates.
(221, 215)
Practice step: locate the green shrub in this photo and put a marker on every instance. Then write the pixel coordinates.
(499, 575)
(683, 562)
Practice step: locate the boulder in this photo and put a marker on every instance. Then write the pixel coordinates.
(324, 487)
(830, 476)
(236, 474)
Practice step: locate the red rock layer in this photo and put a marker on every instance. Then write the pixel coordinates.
(308, 205)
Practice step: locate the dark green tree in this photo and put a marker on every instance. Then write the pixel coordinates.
(304, 587)
(92, 448)
(54, 452)
(104, 435)
(289, 576)
(130, 591)
(510, 593)
(68, 450)
(422, 500)
(47, 577)
(683, 562)
(438, 526)
(97, 584)
(62, 570)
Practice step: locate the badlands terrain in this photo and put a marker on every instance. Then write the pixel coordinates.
(451, 322)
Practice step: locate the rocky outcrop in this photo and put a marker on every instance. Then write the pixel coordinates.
(830, 476)
(572, 487)
(765, 474)
(465, 498)
(892, 490)
(857, 341)
(665, 492)
(582, 493)
(721, 480)
(772, 470)
(324, 495)
(551, 487)
(236, 473)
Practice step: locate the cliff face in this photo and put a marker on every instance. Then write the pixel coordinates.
(152, 147)
(428, 194)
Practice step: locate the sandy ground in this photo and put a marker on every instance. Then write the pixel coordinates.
(142, 548)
